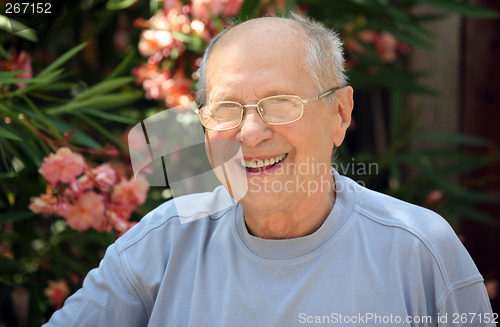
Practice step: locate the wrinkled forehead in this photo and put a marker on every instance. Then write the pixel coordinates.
(255, 46)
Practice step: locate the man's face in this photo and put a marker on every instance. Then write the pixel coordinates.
(262, 59)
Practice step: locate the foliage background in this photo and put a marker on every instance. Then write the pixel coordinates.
(82, 60)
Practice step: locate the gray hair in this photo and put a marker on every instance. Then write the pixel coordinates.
(324, 58)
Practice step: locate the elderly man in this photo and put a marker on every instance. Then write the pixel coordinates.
(288, 253)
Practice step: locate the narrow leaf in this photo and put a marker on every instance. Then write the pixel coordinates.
(28, 34)
(105, 86)
(4, 53)
(119, 4)
(462, 8)
(62, 59)
(102, 130)
(13, 26)
(248, 9)
(15, 216)
(79, 137)
(59, 86)
(123, 66)
(108, 100)
(111, 117)
(5, 133)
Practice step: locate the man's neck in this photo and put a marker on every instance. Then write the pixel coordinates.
(299, 219)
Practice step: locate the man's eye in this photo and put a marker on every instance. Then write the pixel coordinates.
(228, 105)
(279, 100)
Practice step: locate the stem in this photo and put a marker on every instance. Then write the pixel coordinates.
(42, 116)
(48, 98)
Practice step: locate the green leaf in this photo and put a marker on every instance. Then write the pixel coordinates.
(248, 10)
(79, 137)
(10, 74)
(7, 175)
(15, 216)
(119, 4)
(105, 86)
(104, 131)
(290, 5)
(28, 34)
(8, 134)
(9, 78)
(108, 101)
(58, 86)
(31, 152)
(4, 53)
(462, 8)
(111, 117)
(62, 59)
(125, 65)
(10, 25)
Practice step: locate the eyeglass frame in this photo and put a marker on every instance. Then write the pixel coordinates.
(260, 110)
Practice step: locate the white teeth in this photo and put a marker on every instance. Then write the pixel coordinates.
(262, 163)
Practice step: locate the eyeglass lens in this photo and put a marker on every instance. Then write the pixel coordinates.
(275, 110)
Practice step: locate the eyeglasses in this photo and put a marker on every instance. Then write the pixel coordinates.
(274, 110)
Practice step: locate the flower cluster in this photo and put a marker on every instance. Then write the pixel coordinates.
(165, 40)
(57, 292)
(21, 61)
(386, 45)
(87, 197)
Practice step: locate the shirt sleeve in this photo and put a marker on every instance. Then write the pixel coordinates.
(107, 298)
(467, 306)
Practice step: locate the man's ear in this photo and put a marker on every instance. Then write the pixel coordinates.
(345, 104)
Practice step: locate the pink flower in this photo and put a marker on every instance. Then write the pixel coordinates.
(105, 176)
(158, 42)
(385, 44)
(86, 211)
(204, 9)
(81, 184)
(172, 4)
(22, 61)
(492, 288)
(45, 203)
(146, 71)
(434, 196)
(153, 86)
(231, 8)
(177, 90)
(120, 222)
(368, 36)
(386, 47)
(130, 193)
(57, 292)
(63, 166)
(153, 41)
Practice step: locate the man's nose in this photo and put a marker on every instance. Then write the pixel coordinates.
(253, 129)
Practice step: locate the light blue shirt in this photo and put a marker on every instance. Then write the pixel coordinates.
(375, 260)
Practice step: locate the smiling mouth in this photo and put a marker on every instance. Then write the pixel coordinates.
(258, 165)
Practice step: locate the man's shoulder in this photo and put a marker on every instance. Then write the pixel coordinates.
(415, 228)
(392, 212)
(179, 214)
